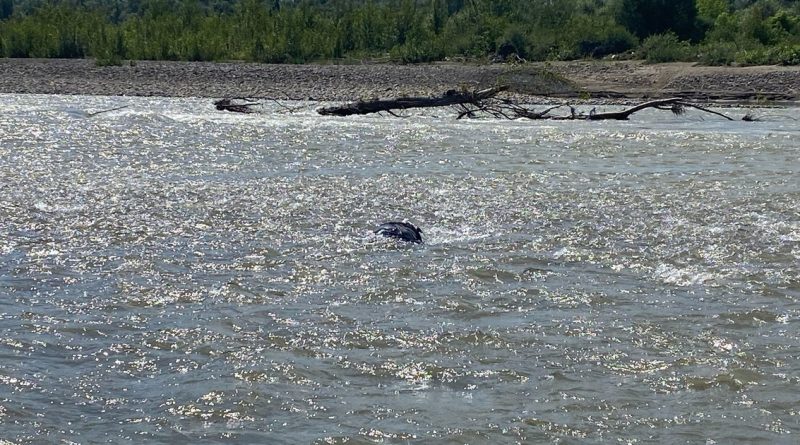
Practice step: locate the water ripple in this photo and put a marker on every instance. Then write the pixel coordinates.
(174, 274)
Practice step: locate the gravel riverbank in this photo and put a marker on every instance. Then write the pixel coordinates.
(208, 79)
(624, 79)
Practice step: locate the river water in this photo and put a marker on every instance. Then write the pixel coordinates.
(173, 274)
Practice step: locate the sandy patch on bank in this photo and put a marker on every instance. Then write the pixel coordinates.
(637, 79)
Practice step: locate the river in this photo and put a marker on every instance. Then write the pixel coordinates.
(173, 274)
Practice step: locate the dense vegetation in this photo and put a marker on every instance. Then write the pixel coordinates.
(711, 31)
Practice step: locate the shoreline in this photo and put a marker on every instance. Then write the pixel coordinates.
(584, 81)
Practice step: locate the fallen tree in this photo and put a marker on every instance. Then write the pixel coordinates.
(676, 105)
(509, 109)
(485, 103)
(473, 104)
(450, 98)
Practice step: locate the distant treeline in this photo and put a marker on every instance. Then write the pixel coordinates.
(285, 31)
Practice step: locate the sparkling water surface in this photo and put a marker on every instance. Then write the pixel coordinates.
(174, 274)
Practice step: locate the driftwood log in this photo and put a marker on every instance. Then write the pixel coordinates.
(509, 109)
(485, 103)
(473, 104)
(228, 104)
(449, 98)
(676, 105)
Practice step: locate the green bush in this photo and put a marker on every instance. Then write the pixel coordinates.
(415, 52)
(542, 46)
(615, 41)
(108, 60)
(787, 55)
(725, 53)
(270, 52)
(754, 55)
(591, 36)
(662, 48)
(717, 53)
(513, 41)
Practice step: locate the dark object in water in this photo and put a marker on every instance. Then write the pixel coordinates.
(228, 104)
(400, 230)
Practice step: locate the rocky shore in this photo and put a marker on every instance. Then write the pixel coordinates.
(624, 79)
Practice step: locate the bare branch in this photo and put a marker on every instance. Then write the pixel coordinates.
(624, 114)
(105, 111)
(286, 107)
(685, 104)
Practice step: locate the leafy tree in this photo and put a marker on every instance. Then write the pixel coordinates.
(746, 31)
(667, 47)
(648, 17)
(6, 9)
(709, 10)
(593, 36)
